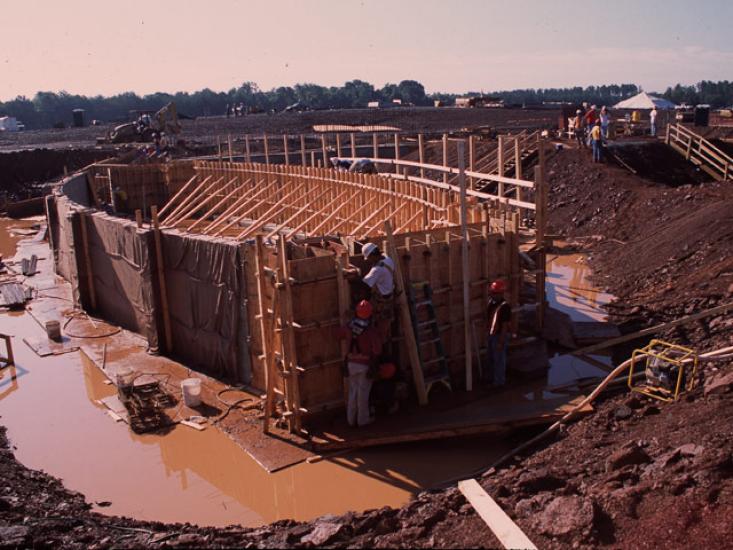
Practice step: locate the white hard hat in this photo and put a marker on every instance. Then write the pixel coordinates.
(369, 249)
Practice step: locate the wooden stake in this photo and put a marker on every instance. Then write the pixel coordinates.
(286, 150)
(247, 149)
(397, 152)
(407, 326)
(139, 218)
(375, 145)
(324, 152)
(421, 152)
(266, 351)
(266, 143)
(465, 266)
(303, 158)
(161, 279)
(231, 150)
(352, 139)
(445, 157)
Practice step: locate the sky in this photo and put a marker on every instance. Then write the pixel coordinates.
(100, 47)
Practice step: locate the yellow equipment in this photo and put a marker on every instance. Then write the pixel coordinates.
(666, 368)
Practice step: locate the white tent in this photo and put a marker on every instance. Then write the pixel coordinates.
(644, 101)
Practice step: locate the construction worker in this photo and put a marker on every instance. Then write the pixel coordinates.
(596, 138)
(380, 279)
(653, 121)
(499, 317)
(362, 361)
(578, 130)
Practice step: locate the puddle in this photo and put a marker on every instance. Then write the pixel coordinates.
(570, 290)
(49, 407)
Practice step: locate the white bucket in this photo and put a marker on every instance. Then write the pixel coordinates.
(191, 389)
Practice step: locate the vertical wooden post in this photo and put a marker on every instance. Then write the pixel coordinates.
(139, 218)
(161, 279)
(517, 162)
(465, 271)
(303, 159)
(218, 145)
(338, 145)
(500, 163)
(666, 135)
(407, 326)
(397, 152)
(289, 345)
(247, 150)
(313, 159)
(266, 351)
(541, 222)
(231, 152)
(266, 146)
(421, 153)
(323, 150)
(375, 146)
(344, 302)
(472, 158)
(445, 156)
(352, 138)
(286, 151)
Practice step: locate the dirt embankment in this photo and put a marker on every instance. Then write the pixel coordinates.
(636, 474)
(22, 171)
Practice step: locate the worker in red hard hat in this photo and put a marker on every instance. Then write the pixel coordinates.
(362, 362)
(499, 316)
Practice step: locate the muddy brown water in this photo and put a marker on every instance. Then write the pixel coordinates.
(570, 290)
(49, 406)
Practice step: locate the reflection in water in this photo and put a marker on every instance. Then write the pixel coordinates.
(201, 477)
(570, 290)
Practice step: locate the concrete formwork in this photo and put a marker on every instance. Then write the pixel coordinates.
(244, 279)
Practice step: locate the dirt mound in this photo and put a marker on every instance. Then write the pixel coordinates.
(657, 162)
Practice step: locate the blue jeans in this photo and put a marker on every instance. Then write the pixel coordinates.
(653, 128)
(597, 150)
(497, 360)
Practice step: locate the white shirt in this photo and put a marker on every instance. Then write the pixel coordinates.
(382, 275)
(653, 115)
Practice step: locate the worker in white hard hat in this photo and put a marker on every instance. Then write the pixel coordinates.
(380, 279)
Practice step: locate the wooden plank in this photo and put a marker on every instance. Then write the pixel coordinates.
(407, 326)
(465, 273)
(651, 330)
(266, 351)
(508, 533)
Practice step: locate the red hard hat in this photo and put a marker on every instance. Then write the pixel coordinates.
(498, 287)
(364, 309)
(387, 370)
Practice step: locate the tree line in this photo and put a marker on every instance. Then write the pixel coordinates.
(47, 109)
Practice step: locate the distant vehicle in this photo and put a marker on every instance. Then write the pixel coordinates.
(296, 107)
(19, 126)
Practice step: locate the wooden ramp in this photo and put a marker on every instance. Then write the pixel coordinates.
(491, 413)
